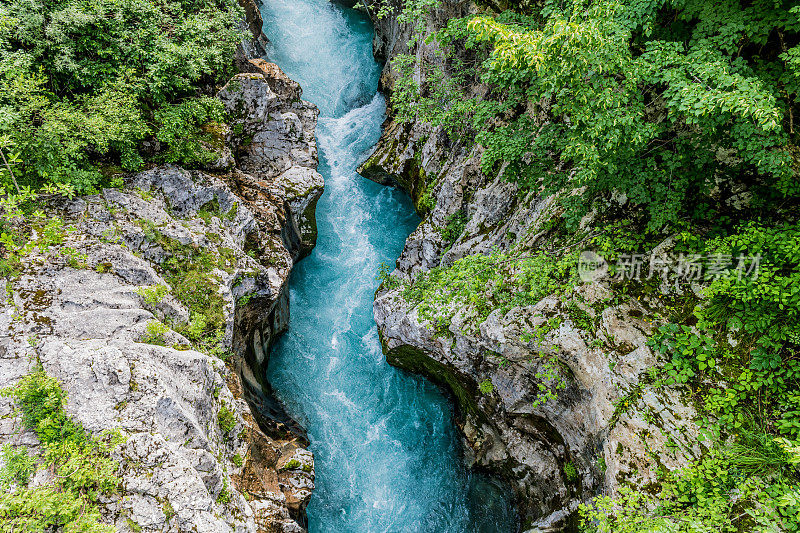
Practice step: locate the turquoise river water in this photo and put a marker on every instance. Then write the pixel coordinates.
(388, 457)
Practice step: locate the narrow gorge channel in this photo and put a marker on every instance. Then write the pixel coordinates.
(388, 455)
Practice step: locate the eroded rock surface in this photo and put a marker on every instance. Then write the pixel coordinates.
(607, 422)
(207, 448)
(273, 140)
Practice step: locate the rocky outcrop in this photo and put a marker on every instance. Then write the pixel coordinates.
(273, 141)
(606, 427)
(107, 307)
(256, 45)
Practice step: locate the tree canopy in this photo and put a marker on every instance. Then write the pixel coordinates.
(84, 82)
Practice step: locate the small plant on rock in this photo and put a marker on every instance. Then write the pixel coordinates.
(156, 333)
(81, 462)
(226, 419)
(570, 472)
(153, 295)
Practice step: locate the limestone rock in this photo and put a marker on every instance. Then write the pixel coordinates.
(81, 310)
(606, 421)
(273, 140)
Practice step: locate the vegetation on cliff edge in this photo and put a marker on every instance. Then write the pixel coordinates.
(83, 85)
(665, 121)
(80, 466)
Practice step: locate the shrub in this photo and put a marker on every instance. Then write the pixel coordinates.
(82, 463)
(156, 333)
(153, 295)
(83, 83)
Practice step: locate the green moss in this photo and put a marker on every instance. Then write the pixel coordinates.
(291, 465)
(224, 495)
(188, 271)
(226, 419)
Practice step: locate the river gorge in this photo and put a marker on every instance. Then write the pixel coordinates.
(387, 454)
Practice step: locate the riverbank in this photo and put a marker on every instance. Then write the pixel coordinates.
(151, 307)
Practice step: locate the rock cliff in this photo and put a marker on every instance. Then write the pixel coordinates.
(112, 310)
(605, 427)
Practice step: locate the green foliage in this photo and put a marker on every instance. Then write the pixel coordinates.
(549, 380)
(712, 494)
(440, 102)
(188, 270)
(291, 464)
(426, 202)
(570, 472)
(182, 129)
(153, 295)
(25, 229)
(224, 496)
(691, 352)
(676, 105)
(479, 284)
(738, 352)
(18, 466)
(226, 419)
(454, 226)
(81, 462)
(654, 114)
(748, 327)
(486, 386)
(155, 333)
(608, 96)
(385, 277)
(197, 327)
(83, 83)
(414, 13)
(201, 295)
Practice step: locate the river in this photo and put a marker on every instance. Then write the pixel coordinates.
(388, 455)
